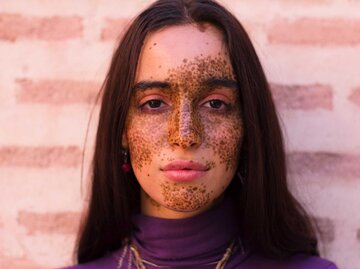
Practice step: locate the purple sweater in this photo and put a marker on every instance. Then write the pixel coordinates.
(194, 243)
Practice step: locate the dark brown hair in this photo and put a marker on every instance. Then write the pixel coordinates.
(272, 222)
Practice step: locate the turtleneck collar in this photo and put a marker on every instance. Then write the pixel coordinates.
(196, 240)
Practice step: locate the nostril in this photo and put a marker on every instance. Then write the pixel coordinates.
(189, 142)
(185, 143)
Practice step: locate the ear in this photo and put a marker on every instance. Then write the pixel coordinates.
(124, 141)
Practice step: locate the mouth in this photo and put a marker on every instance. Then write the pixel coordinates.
(183, 170)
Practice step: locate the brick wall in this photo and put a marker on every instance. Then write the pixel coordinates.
(54, 55)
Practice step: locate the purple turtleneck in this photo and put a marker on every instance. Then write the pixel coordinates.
(196, 242)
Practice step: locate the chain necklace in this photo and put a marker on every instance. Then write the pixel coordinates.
(140, 263)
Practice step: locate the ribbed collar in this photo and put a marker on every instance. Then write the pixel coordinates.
(196, 240)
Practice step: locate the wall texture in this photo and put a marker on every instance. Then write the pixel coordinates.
(53, 58)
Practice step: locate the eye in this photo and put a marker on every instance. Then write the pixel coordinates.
(153, 105)
(216, 104)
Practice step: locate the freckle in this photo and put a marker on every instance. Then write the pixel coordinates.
(148, 175)
(184, 198)
(185, 60)
(155, 44)
(159, 66)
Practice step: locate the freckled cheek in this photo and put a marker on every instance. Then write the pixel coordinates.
(225, 138)
(230, 130)
(228, 135)
(145, 138)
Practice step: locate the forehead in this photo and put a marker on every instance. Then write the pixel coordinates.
(173, 46)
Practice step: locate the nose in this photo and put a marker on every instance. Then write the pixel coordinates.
(185, 128)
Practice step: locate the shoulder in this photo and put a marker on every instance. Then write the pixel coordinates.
(296, 262)
(108, 261)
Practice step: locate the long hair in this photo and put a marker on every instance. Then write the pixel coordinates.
(272, 222)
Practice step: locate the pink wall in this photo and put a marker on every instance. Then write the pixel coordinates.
(54, 55)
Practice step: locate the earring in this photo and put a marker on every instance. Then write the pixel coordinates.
(125, 166)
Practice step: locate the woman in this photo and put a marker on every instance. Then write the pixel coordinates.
(189, 164)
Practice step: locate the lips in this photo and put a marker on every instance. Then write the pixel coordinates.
(183, 170)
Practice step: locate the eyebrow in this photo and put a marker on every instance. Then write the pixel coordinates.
(144, 85)
(221, 82)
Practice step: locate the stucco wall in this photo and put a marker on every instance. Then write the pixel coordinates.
(53, 58)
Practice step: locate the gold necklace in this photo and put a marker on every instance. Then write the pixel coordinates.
(140, 263)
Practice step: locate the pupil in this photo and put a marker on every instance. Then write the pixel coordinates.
(215, 103)
(154, 103)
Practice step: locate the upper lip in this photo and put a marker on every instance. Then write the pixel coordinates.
(184, 165)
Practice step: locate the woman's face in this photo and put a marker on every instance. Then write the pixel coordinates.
(184, 127)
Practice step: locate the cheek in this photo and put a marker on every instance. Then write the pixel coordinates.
(145, 138)
(224, 137)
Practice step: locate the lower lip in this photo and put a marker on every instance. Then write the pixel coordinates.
(184, 175)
